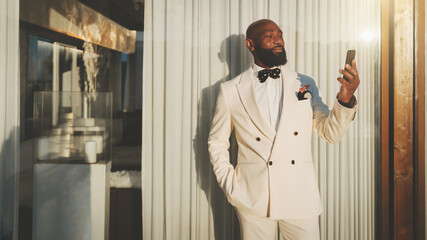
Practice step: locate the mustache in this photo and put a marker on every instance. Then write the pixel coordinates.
(279, 46)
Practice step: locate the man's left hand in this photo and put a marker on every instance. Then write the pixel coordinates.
(348, 87)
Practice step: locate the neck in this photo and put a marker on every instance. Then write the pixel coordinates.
(259, 63)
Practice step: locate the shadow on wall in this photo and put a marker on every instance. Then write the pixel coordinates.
(8, 186)
(238, 59)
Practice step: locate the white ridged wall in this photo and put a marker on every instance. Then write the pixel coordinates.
(190, 47)
(9, 118)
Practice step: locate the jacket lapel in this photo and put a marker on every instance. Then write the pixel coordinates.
(247, 96)
(289, 99)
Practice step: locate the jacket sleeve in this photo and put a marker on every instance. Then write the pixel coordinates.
(331, 124)
(218, 144)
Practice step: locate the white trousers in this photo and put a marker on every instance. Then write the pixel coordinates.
(263, 228)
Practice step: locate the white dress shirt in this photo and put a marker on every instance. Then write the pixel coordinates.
(269, 97)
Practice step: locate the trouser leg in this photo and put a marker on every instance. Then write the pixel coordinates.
(300, 229)
(256, 228)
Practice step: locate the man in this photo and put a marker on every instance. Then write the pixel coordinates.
(273, 111)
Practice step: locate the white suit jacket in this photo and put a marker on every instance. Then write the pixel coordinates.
(273, 168)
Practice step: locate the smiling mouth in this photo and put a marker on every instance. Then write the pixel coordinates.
(278, 49)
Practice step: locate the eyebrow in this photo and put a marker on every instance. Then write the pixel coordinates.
(267, 31)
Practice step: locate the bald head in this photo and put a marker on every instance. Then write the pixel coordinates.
(256, 28)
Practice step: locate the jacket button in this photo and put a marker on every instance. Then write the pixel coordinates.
(270, 163)
(258, 139)
(295, 133)
(293, 162)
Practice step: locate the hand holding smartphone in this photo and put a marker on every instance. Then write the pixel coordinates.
(351, 54)
(346, 94)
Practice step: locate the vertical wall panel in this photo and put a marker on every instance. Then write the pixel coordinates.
(403, 156)
(385, 221)
(419, 133)
(425, 112)
(9, 118)
(403, 119)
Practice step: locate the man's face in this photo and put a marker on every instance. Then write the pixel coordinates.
(269, 45)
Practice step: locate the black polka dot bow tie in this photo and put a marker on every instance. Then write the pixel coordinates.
(264, 74)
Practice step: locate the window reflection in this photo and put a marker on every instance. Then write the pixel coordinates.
(57, 66)
(53, 59)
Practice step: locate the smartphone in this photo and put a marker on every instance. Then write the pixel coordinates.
(351, 54)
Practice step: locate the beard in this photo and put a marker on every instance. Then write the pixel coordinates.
(269, 58)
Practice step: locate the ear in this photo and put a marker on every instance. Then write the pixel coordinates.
(250, 44)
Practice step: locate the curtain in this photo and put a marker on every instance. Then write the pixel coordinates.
(9, 118)
(190, 48)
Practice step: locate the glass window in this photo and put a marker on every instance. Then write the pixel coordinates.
(82, 46)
